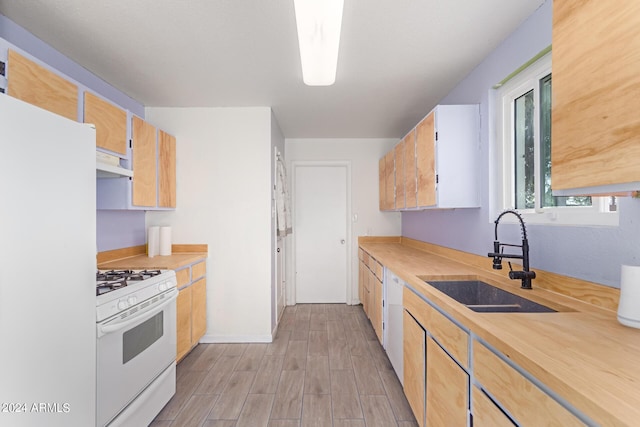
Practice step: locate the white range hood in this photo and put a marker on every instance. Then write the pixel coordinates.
(108, 166)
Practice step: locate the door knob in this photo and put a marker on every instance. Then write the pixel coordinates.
(342, 242)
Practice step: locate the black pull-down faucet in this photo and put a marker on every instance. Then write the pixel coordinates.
(525, 275)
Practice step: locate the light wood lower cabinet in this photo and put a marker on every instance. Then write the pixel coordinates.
(378, 324)
(447, 389)
(435, 384)
(528, 404)
(370, 290)
(486, 413)
(183, 322)
(198, 310)
(191, 316)
(414, 357)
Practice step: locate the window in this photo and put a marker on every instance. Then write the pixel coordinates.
(523, 155)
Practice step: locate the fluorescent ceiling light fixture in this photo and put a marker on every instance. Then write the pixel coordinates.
(319, 23)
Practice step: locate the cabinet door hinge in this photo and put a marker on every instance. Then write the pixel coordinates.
(2, 68)
(436, 136)
(130, 144)
(436, 178)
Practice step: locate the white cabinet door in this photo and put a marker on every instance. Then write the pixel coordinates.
(457, 156)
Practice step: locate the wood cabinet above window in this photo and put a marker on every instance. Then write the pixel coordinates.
(596, 75)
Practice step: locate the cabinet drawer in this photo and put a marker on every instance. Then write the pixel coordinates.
(447, 333)
(527, 403)
(199, 270)
(379, 271)
(183, 277)
(486, 413)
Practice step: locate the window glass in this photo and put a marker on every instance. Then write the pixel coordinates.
(524, 162)
(139, 338)
(521, 162)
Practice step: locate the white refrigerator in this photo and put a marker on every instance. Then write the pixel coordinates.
(47, 268)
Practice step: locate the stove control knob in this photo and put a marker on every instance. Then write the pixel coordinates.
(162, 287)
(122, 304)
(132, 300)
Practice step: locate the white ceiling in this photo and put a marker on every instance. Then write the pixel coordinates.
(398, 58)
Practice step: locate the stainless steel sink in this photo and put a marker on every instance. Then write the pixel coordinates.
(483, 297)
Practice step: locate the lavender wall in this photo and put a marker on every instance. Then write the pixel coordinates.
(120, 229)
(116, 229)
(588, 253)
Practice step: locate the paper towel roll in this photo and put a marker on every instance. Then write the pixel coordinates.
(153, 241)
(165, 241)
(629, 305)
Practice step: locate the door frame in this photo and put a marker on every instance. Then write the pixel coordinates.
(291, 285)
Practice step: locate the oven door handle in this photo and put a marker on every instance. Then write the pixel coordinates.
(113, 327)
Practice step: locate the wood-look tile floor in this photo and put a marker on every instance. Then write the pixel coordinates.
(325, 368)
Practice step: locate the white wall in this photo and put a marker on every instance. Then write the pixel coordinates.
(224, 200)
(363, 154)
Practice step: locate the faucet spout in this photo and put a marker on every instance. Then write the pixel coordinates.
(525, 275)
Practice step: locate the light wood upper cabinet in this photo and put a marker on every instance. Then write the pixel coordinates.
(447, 389)
(399, 176)
(389, 172)
(144, 163)
(437, 163)
(596, 72)
(110, 122)
(167, 171)
(382, 183)
(154, 167)
(425, 161)
(409, 164)
(33, 83)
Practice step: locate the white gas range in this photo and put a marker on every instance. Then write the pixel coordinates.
(136, 344)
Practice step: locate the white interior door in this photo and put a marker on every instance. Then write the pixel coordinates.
(320, 233)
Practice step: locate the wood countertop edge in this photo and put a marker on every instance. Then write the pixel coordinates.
(135, 257)
(611, 411)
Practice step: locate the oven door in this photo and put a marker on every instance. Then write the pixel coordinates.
(133, 348)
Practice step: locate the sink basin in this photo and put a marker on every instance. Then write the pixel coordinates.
(483, 297)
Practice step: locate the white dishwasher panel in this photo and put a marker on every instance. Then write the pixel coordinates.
(393, 331)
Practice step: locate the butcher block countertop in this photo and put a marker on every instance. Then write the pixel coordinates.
(581, 352)
(135, 258)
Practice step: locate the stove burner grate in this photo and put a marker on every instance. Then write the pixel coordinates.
(111, 280)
